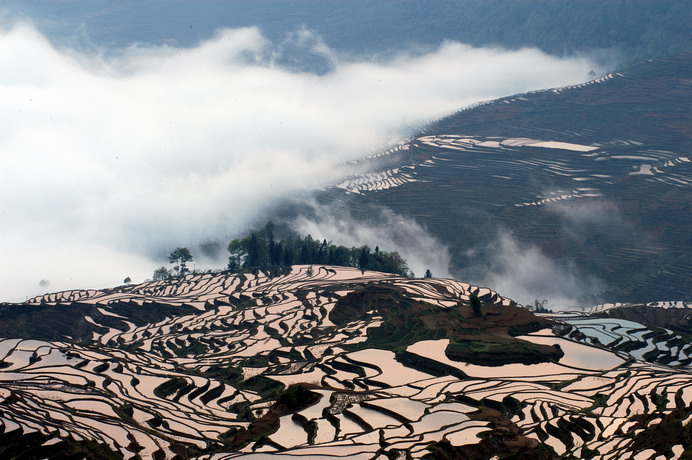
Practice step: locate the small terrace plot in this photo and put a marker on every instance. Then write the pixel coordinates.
(328, 362)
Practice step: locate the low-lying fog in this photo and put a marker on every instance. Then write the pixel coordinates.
(108, 160)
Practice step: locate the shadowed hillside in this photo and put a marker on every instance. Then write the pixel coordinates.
(597, 177)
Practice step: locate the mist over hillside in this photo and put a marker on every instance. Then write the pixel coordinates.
(187, 124)
(575, 195)
(114, 155)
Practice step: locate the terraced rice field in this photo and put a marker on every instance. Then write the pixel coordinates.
(187, 381)
(598, 176)
(657, 344)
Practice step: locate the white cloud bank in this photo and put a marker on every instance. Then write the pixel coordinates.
(107, 161)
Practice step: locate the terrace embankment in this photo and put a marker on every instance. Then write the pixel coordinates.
(506, 440)
(334, 362)
(294, 399)
(487, 338)
(75, 321)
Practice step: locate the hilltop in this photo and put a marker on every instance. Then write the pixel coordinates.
(336, 362)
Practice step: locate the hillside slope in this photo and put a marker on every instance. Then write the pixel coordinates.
(332, 362)
(597, 176)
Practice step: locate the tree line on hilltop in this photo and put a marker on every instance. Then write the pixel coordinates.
(260, 249)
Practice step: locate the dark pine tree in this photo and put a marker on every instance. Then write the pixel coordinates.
(475, 305)
(364, 258)
(288, 257)
(253, 252)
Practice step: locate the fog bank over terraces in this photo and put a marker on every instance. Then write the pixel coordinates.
(112, 159)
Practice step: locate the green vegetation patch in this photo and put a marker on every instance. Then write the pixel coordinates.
(504, 440)
(44, 322)
(479, 333)
(194, 349)
(170, 387)
(500, 352)
(261, 250)
(427, 365)
(267, 388)
(402, 324)
(28, 446)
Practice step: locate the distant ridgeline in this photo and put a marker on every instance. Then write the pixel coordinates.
(260, 249)
(636, 29)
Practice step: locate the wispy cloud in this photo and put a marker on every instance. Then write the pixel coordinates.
(109, 159)
(383, 228)
(525, 273)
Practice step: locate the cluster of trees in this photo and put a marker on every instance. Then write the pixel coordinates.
(540, 306)
(180, 257)
(260, 249)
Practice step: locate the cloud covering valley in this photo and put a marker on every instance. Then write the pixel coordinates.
(110, 160)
